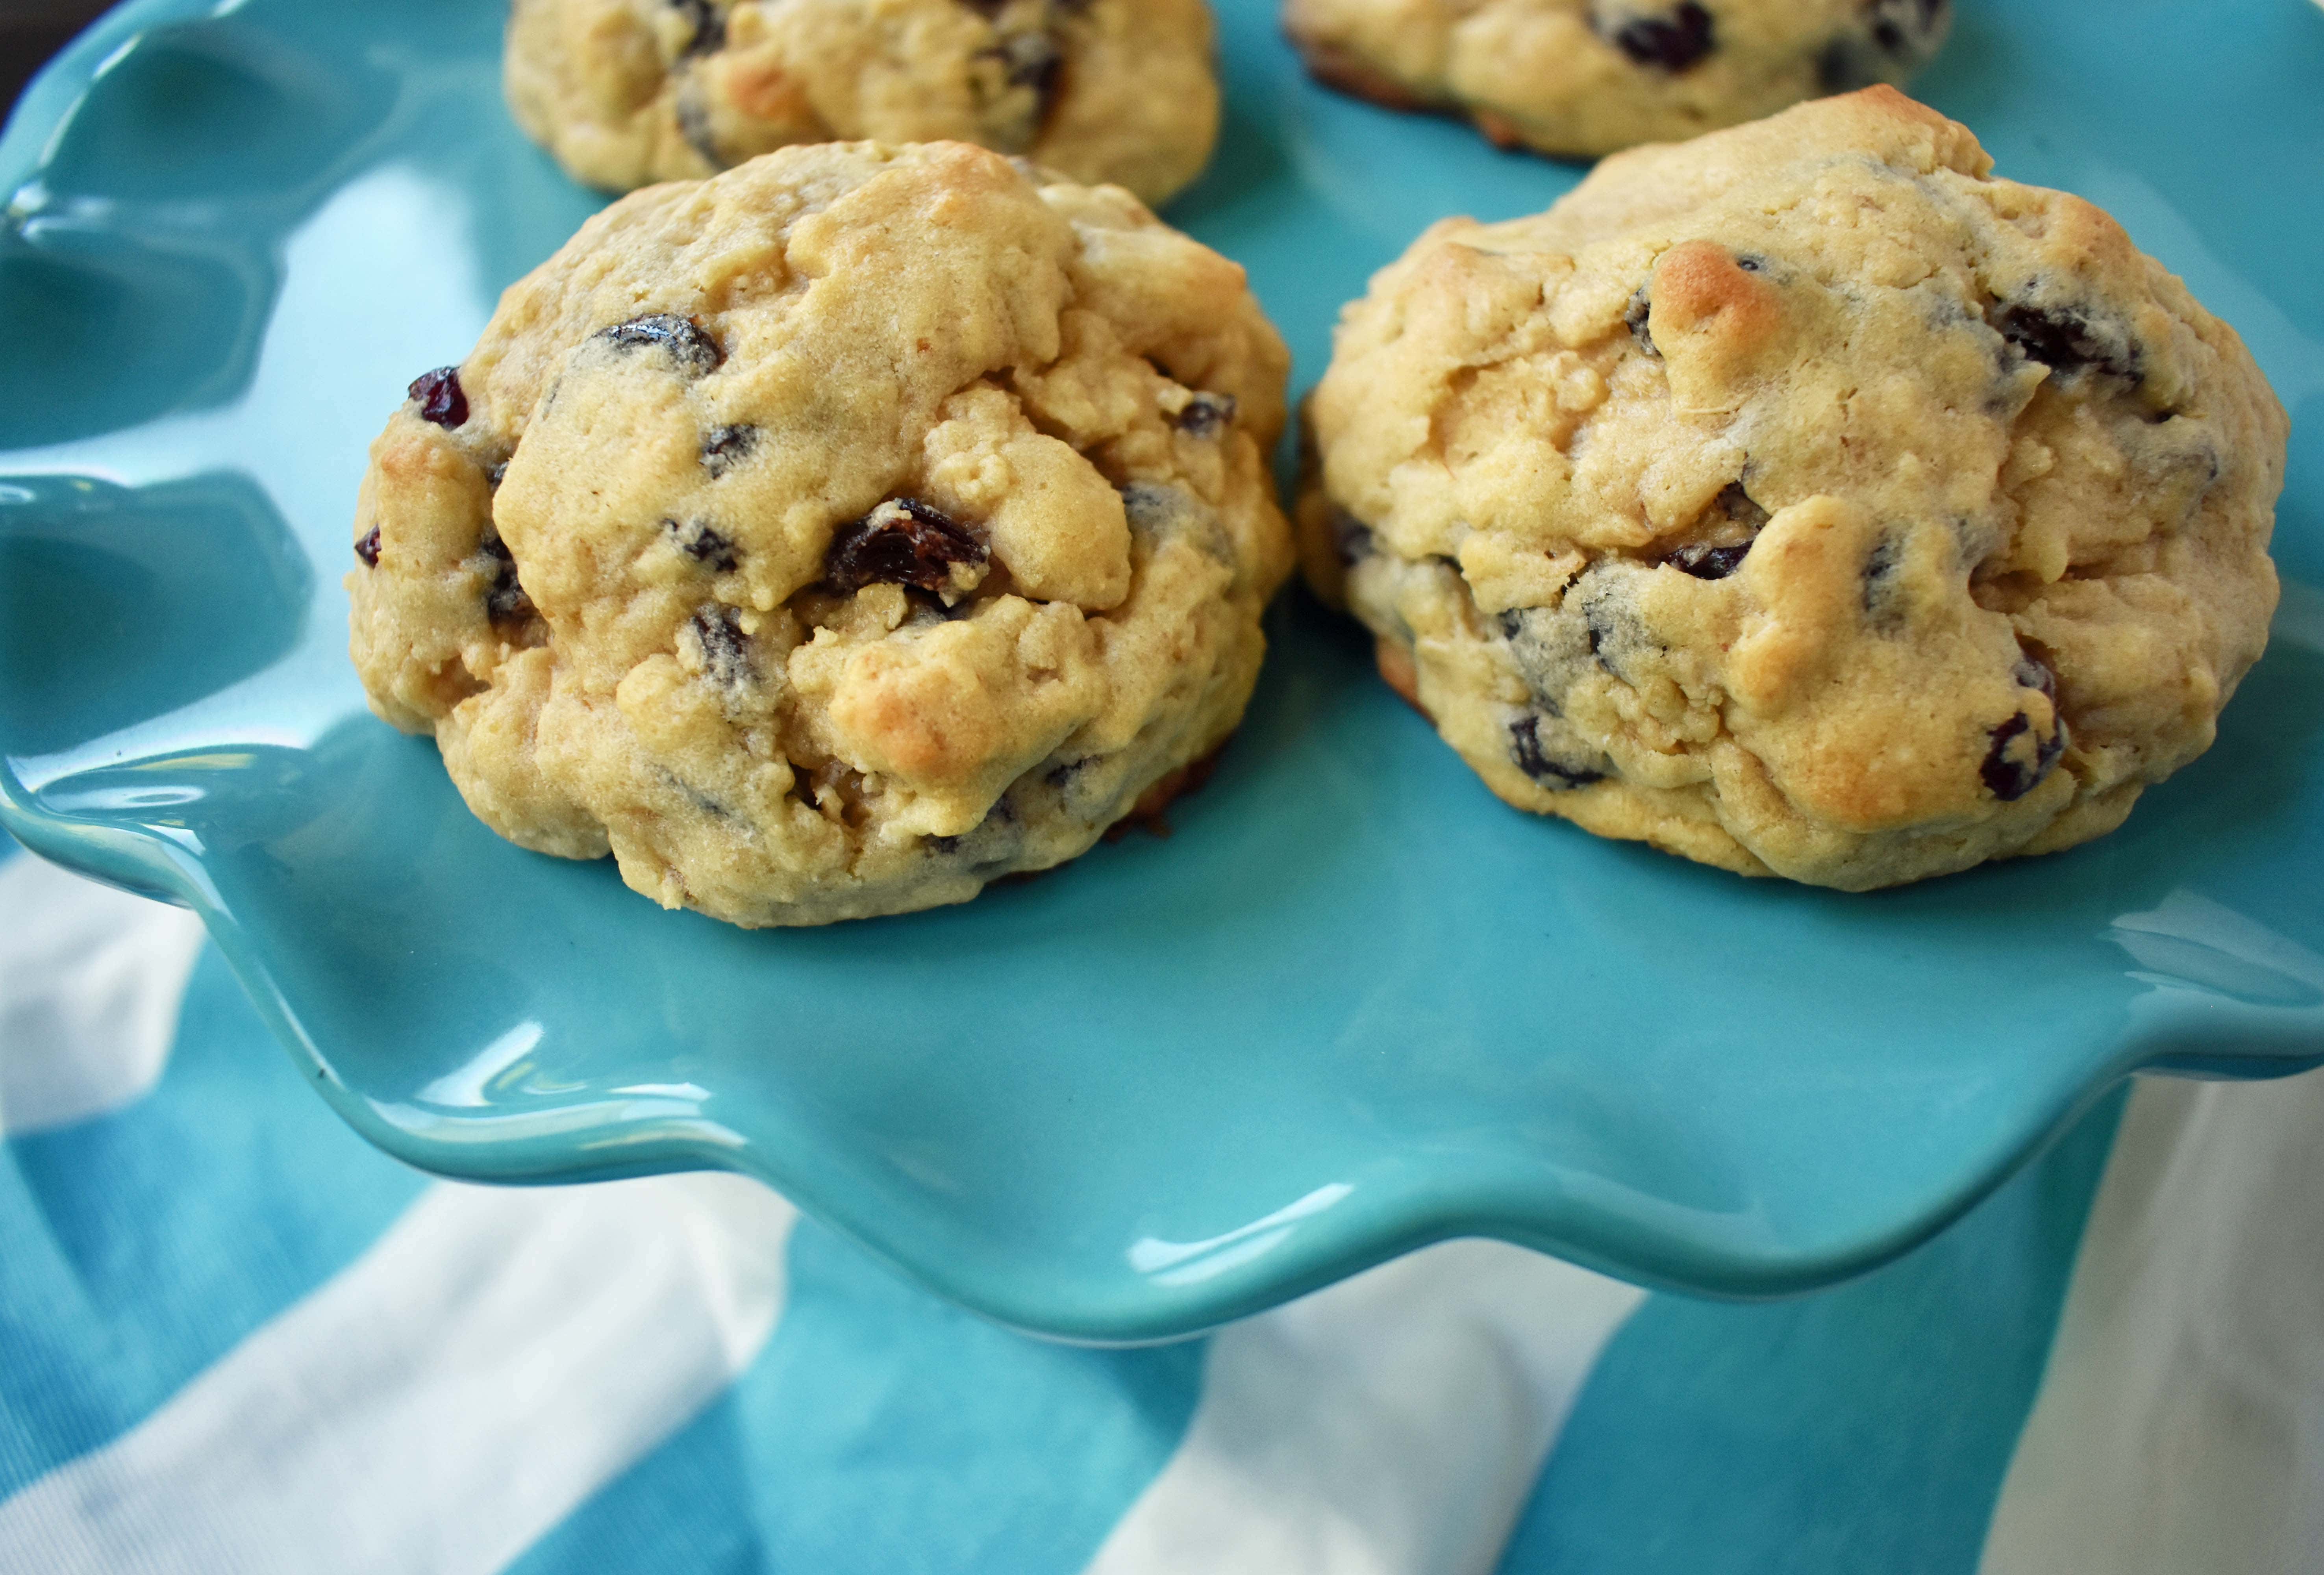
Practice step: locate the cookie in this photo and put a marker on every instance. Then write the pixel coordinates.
(1803, 500)
(627, 92)
(1578, 79)
(833, 536)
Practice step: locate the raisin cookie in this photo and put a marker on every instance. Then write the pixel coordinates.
(836, 535)
(1576, 79)
(1803, 500)
(625, 92)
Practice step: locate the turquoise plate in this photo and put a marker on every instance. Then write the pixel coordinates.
(1353, 1006)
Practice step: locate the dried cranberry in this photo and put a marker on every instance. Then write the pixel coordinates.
(441, 399)
(1206, 413)
(726, 447)
(1673, 42)
(1525, 739)
(682, 336)
(704, 546)
(367, 548)
(902, 542)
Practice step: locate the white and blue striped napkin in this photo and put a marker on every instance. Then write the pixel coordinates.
(234, 1339)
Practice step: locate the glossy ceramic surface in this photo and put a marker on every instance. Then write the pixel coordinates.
(1354, 1005)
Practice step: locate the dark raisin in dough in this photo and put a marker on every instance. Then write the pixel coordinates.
(1709, 562)
(1206, 414)
(2065, 340)
(724, 448)
(683, 337)
(726, 649)
(505, 601)
(1674, 43)
(1642, 306)
(902, 542)
(2006, 772)
(709, 24)
(1525, 741)
(704, 546)
(367, 548)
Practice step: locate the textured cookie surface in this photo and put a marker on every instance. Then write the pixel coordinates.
(833, 536)
(626, 92)
(1802, 499)
(1581, 77)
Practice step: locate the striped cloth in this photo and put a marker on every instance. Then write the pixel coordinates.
(234, 1339)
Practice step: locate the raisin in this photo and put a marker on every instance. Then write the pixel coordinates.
(2009, 776)
(1879, 574)
(1034, 60)
(683, 337)
(1708, 563)
(1598, 619)
(2064, 339)
(1525, 739)
(497, 475)
(441, 399)
(726, 649)
(704, 546)
(1206, 413)
(902, 542)
(693, 124)
(367, 548)
(505, 601)
(947, 846)
(709, 27)
(1901, 27)
(1641, 307)
(727, 447)
(1674, 43)
(1351, 538)
(2033, 673)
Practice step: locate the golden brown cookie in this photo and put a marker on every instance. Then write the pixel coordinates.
(1576, 79)
(626, 92)
(833, 536)
(1803, 499)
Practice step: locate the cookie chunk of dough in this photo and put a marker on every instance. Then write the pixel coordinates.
(1576, 79)
(833, 536)
(1803, 499)
(626, 92)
